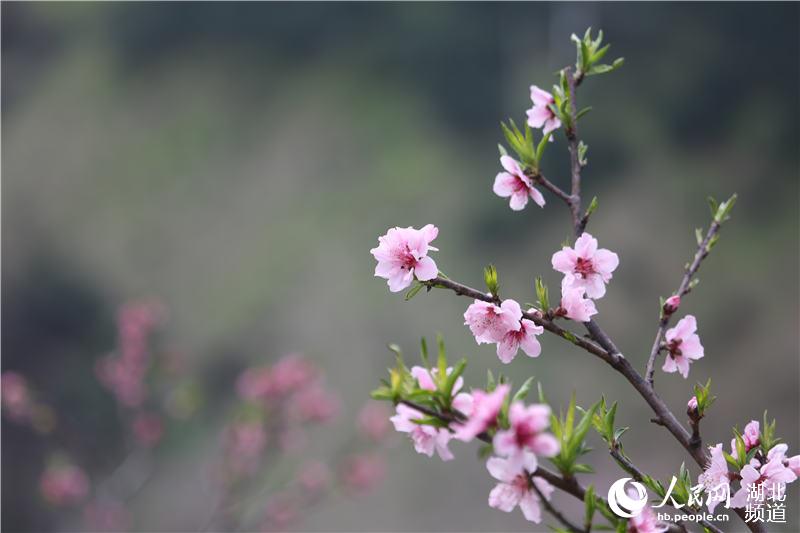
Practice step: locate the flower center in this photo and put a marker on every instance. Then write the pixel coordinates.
(674, 348)
(406, 257)
(584, 267)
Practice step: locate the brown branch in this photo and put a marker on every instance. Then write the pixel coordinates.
(537, 318)
(683, 289)
(555, 512)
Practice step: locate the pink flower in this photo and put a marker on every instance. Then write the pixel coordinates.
(363, 471)
(403, 253)
(427, 379)
(15, 395)
(527, 432)
(773, 475)
(779, 451)
(750, 436)
(244, 443)
(315, 403)
(691, 406)
(483, 415)
(314, 477)
(524, 337)
(585, 266)
(646, 522)
(148, 429)
(254, 384)
(426, 438)
(64, 485)
(373, 421)
(715, 477)
(671, 304)
(291, 372)
(490, 323)
(683, 346)
(575, 306)
(515, 184)
(540, 115)
(514, 487)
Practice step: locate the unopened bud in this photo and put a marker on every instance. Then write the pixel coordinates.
(671, 304)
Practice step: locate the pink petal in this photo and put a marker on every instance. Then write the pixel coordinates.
(504, 185)
(685, 327)
(537, 196)
(537, 116)
(529, 505)
(400, 280)
(605, 261)
(540, 97)
(551, 124)
(511, 165)
(518, 201)
(546, 444)
(586, 246)
(505, 443)
(691, 347)
(669, 365)
(504, 497)
(423, 377)
(564, 261)
(425, 269)
(502, 469)
(507, 348)
(530, 345)
(595, 286)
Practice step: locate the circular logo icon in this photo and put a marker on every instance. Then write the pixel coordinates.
(619, 499)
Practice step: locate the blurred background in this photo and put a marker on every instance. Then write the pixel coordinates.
(236, 162)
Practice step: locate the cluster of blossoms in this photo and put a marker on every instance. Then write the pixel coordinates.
(763, 469)
(518, 433)
(278, 406)
(124, 372)
(64, 484)
(278, 401)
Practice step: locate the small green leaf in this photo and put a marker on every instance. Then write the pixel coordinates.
(491, 279)
(582, 112)
(542, 294)
(523, 391)
(424, 352)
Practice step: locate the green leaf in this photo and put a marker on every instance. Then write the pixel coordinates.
(424, 352)
(382, 393)
(442, 360)
(731, 461)
(491, 279)
(523, 391)
(490, 381)
(453, 377)
(414, 290)
(582, 112)
(583, 427)
(502, 150)
(592, 207)
(542, 294)
(713, 205)
(589, 506)
(540, 148)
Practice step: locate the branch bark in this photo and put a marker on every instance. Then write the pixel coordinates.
(683, 290)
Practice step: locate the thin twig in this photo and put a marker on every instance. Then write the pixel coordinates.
(555, 512)
(683, 289)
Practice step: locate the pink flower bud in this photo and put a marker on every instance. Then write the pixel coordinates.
(671, 304)
(691, 407)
